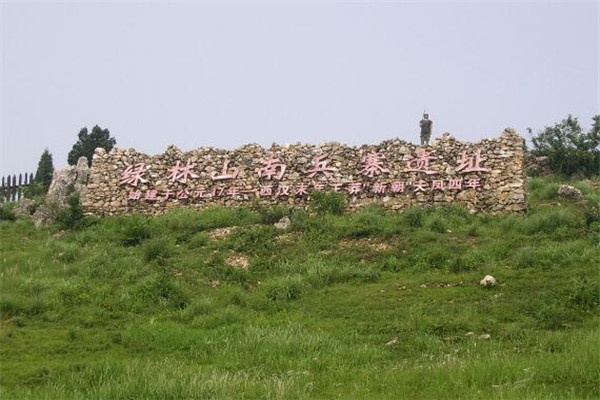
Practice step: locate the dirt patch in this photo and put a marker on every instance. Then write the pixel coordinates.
(238, 261)
(371, 244)
(429, 285)
(220, 233)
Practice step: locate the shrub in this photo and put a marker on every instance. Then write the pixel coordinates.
(6, 212)
(548, 221)
(157, 249)
(198, 240)
(133, 230)
(591, 212)
(254, 239)
(270, 215)
(327, 203)
(285, 288)
(72, 216)
(161, 289)
(320, 274)
(414, 216)
(584, 294)
(438, 225)
(570, 150)
(462, 264)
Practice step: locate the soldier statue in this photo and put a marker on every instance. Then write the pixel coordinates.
(426, 125)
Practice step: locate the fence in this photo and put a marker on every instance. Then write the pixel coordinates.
(12, 186)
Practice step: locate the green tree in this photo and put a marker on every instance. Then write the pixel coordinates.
(571, 151)
(45, 168)
(88, 142)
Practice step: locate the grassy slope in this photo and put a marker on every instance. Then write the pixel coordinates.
(335, 307)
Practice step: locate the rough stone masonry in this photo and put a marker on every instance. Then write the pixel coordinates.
(486, 176)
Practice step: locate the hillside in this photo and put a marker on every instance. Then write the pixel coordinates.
(222, 304)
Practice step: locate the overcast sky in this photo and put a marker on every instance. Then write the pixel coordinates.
(224, 74)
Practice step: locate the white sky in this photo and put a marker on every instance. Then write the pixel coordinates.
(224, 74)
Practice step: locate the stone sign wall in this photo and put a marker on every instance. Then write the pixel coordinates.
(483, 176)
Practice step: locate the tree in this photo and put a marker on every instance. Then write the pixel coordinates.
(570, 150)
(87, 143)
(45, 168)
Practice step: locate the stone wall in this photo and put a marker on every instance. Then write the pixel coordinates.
(483, 176)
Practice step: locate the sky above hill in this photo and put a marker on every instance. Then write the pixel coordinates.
(224, 74)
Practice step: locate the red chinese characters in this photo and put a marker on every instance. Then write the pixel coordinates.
(420, 163)
(179, 173)
(134, 174)
(472, 163)
(272, 168)
(320, 165)
(373, 164)
(226, 173)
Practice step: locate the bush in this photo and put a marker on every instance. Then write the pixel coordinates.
(584, 294)
(548, 221)
(254, 239)
(327, 203)
(161, 289)
(72, 216)
(157, 249)
(270, 215)
(285, 288)
(571, 151)
(438, 225)
(6, 212)
(133, 230)
(414, 216)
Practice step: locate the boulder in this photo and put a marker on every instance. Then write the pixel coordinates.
(569, 192)
(67, 180)
(283, 223)
(24, 207)
(43, 215)
(488, 281)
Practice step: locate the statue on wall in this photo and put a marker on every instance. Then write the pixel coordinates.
(426, 126)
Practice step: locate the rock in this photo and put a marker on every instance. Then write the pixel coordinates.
(283, 223)
(488, 281)
(569, 192)
(24, 207)
(67, 180)
(392, 342)
(391, 185)
(43, 216)
(484, 336)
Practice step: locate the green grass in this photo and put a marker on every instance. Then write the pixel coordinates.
(366, 305)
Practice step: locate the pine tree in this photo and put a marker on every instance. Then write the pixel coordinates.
(45, 168)
(88, 142)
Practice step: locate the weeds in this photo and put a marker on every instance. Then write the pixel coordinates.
(348, 306)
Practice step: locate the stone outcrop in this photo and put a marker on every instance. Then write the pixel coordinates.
(569, 192)
(484, 176)
(43, 215)
(67, 180)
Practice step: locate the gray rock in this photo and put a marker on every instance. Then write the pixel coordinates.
(569, 192)
(44, 215)
(24, 207)
(488, 281)
(66, 180)
(283, 223)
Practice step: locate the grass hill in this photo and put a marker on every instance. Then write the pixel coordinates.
(221, 304)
